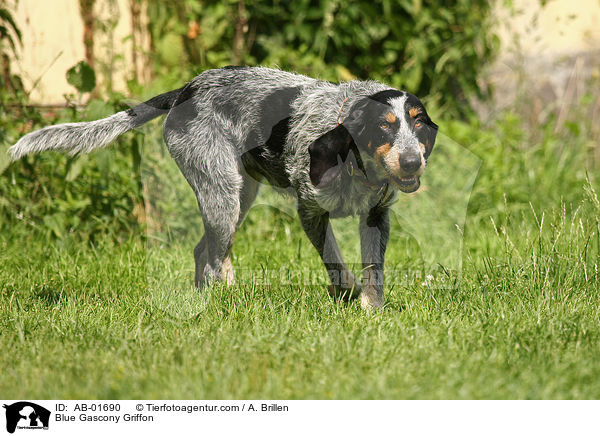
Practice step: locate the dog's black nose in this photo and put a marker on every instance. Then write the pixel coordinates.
(410, 163)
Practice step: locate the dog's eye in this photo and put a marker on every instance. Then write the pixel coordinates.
(384, 126)
(418, 123)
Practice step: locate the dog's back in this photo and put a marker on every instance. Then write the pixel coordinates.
(217, 96)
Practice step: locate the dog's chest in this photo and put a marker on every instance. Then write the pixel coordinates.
(351, 196)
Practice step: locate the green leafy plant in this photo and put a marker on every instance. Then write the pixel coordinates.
(432, 49)
(82, 77)
(10, 39)
(10, 33)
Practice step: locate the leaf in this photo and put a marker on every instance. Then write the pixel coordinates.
(414, 77)
(82, 77)
(56, 224)
(4, 160)
(76, 167)
(6, 17)
(573, 127)
(170, 49)
(344, 74)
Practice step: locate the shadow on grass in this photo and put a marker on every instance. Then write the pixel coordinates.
(48, 294)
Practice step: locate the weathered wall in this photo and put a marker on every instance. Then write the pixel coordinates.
(562, 27)
(545, 40)
(550, 55)
(53, 42)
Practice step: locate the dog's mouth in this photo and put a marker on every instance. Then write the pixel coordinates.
(406, 184)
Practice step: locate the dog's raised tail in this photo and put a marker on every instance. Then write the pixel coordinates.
(87, 136)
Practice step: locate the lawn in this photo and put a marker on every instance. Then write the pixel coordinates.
(517, 315)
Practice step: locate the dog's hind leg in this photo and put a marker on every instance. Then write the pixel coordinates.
(220, 211)
(318, 229)
(200, 253)
(201, 259)
(204, 149)
(247, 195)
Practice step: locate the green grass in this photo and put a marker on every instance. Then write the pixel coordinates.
(123, 321)
(85, 313)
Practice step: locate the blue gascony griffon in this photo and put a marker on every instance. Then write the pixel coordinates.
(340, 149)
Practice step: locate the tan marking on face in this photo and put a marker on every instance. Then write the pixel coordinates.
(382, 151)
(386, 157)
(390, 117)
(423, 148)
(413, 112)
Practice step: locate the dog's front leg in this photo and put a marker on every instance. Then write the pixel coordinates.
(318, 229)
(374, 235)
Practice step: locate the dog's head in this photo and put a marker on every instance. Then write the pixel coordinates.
(392, 134)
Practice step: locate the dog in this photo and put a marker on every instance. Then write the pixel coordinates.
(340, 149)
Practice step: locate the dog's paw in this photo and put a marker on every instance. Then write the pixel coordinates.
(227, 273)
(371, 299)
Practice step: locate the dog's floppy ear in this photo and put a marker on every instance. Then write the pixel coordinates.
(327, 155)
(356, 121)
(427, 135)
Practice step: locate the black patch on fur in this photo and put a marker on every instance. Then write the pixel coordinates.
(328, 154)
(186, 93)
(264, 145)
(182, 112)
(384, 97)
(154, 107)
(364, 121)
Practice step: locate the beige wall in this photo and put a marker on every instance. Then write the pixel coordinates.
(550, 55)
(562, 27)
(52, 37)
(53, 42)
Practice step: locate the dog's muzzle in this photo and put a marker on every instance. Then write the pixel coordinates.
(412, 166)
(410, 162)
